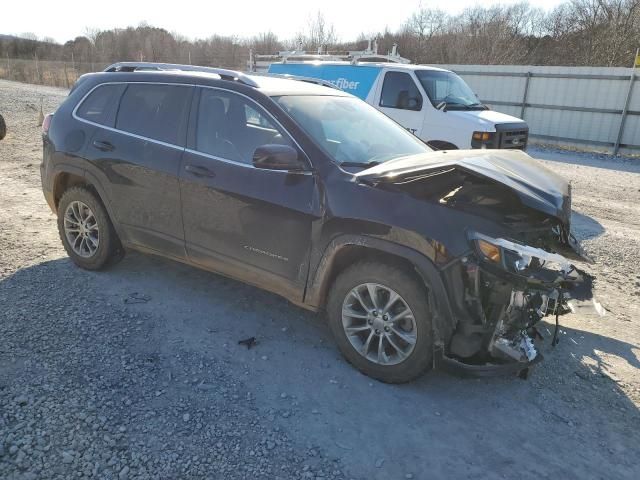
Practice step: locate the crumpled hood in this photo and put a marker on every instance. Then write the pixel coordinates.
(535, 185)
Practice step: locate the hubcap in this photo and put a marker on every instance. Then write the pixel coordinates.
(81, 229)
(379, 324)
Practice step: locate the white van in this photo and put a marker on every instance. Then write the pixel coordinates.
(434, 104)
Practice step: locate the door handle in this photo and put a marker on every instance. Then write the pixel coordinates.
(199, 171)
(103, 146)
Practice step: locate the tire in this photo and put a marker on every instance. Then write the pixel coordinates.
(417, 359)
(104, 240)
(3, 128)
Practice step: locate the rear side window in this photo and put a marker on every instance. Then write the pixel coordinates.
(400, 91)
(101, 105)
(158, 112)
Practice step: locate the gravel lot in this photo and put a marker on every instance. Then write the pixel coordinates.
(136, 372)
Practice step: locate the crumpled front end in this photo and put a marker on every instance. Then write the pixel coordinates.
(507, 231)
(508, 288)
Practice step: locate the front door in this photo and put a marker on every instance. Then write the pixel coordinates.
(249, 223)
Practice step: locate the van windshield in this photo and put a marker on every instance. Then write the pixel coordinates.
(448, 88)
(349, 130)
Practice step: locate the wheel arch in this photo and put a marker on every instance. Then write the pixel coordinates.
(65, 179)
(347, 249)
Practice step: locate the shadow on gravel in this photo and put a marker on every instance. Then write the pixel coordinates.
(569, 419)
(585, 227)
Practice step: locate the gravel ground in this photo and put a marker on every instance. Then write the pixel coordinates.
(136, 372)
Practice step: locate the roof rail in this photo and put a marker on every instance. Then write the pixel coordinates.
(223, 73)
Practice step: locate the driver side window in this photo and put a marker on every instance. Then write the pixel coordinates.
(400, 91)
(231, 127)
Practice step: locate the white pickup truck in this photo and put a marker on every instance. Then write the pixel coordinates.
(434, 104)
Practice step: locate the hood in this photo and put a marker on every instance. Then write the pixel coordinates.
(486, 118)
(536, 186)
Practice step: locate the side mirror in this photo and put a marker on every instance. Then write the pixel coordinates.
(277, 157)
(441, 106)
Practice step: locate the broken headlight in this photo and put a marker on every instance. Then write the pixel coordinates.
(516, 257)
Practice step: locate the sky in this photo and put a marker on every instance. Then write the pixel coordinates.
(66, 19)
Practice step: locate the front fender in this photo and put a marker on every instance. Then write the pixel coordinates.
(443, 320)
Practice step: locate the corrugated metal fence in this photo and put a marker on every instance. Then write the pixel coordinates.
(578, 106)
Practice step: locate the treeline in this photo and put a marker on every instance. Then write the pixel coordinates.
(578, 32)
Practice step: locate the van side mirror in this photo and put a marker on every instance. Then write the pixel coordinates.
(277, 157)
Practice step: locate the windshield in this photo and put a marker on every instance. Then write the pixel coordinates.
(449, 88)
(349, 130)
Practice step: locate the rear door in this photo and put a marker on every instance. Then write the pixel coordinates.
(140, 161)
(401, 99)
(249, 223)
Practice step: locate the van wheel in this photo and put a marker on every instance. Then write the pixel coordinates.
(86, 231)
(380, 318)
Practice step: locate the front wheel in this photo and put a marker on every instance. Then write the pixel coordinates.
(380, 317)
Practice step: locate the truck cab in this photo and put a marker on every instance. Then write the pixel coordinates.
(434, 104)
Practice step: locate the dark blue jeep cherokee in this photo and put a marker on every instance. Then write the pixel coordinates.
(419, 258)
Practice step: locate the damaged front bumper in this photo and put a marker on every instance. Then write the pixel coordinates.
(508, 289)
(454, 366)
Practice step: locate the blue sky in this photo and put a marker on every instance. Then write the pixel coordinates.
(66, 19)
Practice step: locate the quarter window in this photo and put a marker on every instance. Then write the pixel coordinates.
(231, 127)
(101, 105)
(400, 91)
(158, 112)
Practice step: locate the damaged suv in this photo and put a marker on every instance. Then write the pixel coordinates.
(419, 258)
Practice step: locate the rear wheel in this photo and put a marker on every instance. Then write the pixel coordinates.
(380, 317)
(85, 229)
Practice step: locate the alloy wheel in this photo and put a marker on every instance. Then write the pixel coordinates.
(379, 324)
(81, 229)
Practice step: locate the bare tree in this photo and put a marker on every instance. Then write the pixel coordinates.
(319, 34)
(265, 43)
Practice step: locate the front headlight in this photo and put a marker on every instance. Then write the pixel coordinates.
(489, 251)
(516, 257)
(482, 139)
